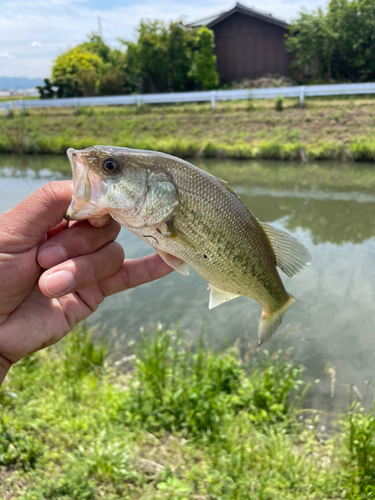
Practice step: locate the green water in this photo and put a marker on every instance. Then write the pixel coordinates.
(329, 207)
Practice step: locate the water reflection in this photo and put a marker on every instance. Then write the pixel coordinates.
(333, 320)
(328, 220)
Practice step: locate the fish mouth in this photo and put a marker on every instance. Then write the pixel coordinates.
(88, 189)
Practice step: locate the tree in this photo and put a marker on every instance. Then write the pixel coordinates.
(170, 58)
(69, 69)
(96, 45)
(204, 60)
(338, 44)
(46, 91)
(165, 58)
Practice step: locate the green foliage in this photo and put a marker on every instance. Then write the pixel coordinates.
(111, 81)
(170, 59)
(179, 389)
(337, 45)
(176, 488)
(269, 389)
(360, 430)
(17, 448)
(194, 131)
(96, 45)
(246, 443)
(204, 63)
(72, 71)
(82, 355)
(279, 103)
(46, 91)
(69, 486)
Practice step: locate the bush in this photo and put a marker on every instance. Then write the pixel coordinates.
(360, 432)
(17, 448)
(175, 388)
(81, 354)
(279, 103)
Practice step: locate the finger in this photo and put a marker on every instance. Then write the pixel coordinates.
(58, 228)
(134, 273)
(81, 272)
(23, 226)
(79, 239)
(100, 221)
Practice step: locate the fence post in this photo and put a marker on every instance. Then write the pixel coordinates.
(7, 110)
(301, 96)
(76, 106)
(138, 101)
(213, 99)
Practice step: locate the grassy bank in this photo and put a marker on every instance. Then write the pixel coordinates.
(325, 129)
(173, 423)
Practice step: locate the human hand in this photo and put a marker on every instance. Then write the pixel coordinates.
(80, 265)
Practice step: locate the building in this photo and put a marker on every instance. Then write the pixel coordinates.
(248, 43)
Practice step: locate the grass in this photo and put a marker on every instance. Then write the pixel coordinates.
(326, 129)
(180, 423)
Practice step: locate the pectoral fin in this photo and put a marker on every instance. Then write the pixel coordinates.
(291, 256)
(178, 265)
(176, 233)
(217, 296)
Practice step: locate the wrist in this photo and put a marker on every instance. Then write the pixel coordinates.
(5, 365)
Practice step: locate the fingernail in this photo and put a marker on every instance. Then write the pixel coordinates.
(51, 256)
(59, 282)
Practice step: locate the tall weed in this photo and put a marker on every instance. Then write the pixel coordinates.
(177, 388)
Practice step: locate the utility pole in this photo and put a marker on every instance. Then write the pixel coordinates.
(100, 27)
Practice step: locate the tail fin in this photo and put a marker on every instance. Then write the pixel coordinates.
(269, 323)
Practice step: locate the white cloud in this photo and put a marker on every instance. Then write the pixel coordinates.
(63, 23)
(5, 55)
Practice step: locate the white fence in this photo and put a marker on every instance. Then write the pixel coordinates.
(207, 96)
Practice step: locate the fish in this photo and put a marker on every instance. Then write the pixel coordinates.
(191, 218)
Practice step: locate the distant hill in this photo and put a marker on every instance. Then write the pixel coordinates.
(19, 82)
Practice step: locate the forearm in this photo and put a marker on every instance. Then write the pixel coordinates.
(4, 368)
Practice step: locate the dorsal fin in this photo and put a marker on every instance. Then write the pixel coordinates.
(225, 184)
(218, 296)
(291, 256)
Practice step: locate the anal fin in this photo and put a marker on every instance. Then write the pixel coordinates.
(177, 264)
(218, 296)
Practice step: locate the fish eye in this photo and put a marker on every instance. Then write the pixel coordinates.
(110, 165)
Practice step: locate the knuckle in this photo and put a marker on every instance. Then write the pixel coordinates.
(50, 191)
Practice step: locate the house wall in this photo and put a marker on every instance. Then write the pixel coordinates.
(247, 47)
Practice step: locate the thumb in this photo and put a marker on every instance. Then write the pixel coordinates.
(24, 226)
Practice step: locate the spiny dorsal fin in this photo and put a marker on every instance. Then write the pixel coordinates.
(291, 256)
(217, 296)
(225, 184)
(178, 265)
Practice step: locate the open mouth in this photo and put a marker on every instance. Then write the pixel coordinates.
(88, 189)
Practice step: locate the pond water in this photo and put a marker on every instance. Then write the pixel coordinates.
(332, 323)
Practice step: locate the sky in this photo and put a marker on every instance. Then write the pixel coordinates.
(34, 32)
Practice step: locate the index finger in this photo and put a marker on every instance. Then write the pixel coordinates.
(134, 273)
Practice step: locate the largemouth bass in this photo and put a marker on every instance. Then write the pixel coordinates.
(190, 218)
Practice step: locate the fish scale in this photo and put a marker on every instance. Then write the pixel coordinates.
(191, 217)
